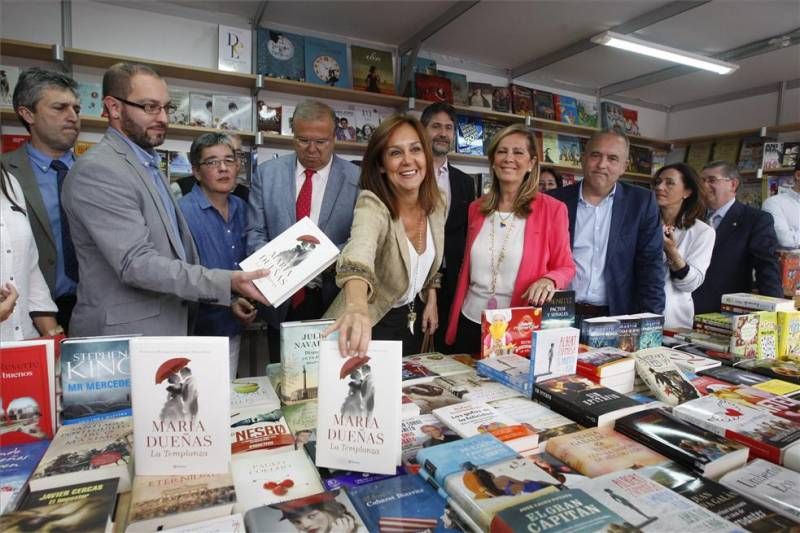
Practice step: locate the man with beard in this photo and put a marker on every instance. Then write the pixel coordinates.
(138, 263)
(48, 106)
(458, 189)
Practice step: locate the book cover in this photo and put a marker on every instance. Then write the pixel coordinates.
(17, 463)
(789, 336)
(180, 413)
(597, 451)
(692, 447)
(419, 432)
(521, 100)
(265, 478)
(287, 115)
(600, 332)
(549, 147)
(327, 511)
(201, 110)
(772, 486)
(631, 117)
(458, 85)
(345, 129)
(570, 510)
(782, 369)
(182, 101)
(95, 379)
(789, 262)
(8, 81)
(326, 63)
(421, 65)
(469, 135)
(432, 88)
(557, 469)
(438, 462)
(584, 401)
(233, 113)
(663, 377)
(468, 419)
(301, 417)
(756, 302)
(629, 332)
(91, 99)
(80, 507)
(471, 386)
(161, 502)
(647, 506)
(490, 129)
(9, 143)
(559, 312)
(689, 360)
(768, 436)
(224, 524)
(554, 353)
(255, 391)
(730, 374)
(508, 331)
(566, 109)
(774, 403)
(501, 99)
(403, 504)
(269, 117)
(178, 165)
(651, 328)
(587, 113)
(235, 49)
(257, 428)
(87, 452)
(367, 121)
(611, 116)
(537, 417)
(373, 70)
(767, 337)
(791, 151)
(27, 382)
(480, 94)
(280, 54)
(744, 335)
(438, 364)
(293, 258)
(604, 362)
(569, 151)
(772, 155)
(359, 408)
(510, 370)
(543, 106)
(300, 358)
(430, 396)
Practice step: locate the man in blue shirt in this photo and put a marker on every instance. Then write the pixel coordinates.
(217, 220)
(48, 105)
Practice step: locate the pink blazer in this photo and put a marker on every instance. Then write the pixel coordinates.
(545, 253)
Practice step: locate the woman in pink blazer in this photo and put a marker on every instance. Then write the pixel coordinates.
(518, 244)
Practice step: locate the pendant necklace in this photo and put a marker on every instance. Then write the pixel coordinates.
(412, 315)
(495, 267)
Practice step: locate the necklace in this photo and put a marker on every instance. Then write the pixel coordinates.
(492, 302)
(412, 315)
(504, 219)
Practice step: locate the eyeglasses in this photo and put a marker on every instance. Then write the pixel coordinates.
(150, 109)
(319, 143)
(713, 179)
(217, 163)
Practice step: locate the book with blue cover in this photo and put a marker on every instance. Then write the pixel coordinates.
(566, 109)
(17, 463)
(600, 332)
(469, 135)
(280, 54)
(91, 97)
(326, 63)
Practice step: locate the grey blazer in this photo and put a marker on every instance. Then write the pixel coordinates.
(132, 277)
(19, 165)
(272, 210)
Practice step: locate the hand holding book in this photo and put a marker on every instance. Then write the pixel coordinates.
(540, 291)
(242, 283)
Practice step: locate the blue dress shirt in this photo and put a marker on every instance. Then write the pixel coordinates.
(589, 247)
(721, 212)
(48, 187)
(220, 244)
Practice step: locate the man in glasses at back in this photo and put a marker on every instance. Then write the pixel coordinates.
(745, 243)
(138, 265)
(311, 182)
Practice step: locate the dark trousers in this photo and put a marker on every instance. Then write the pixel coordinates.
(468, 337)
(444, 302)
(65, 306)
(312, 308)
(394, 327)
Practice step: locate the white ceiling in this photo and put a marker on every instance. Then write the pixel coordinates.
(506, 35)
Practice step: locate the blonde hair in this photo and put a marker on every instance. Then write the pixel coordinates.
(529, 187)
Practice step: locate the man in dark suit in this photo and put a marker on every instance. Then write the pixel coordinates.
(48, 105)
(745, 242)
(616, 233)
(458, 188)
(311, 182)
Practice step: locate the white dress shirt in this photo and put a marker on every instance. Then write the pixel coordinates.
(318, 182)
(443, 181)
(695, 246)
(419, 267)
(19, 265)
(785, 211)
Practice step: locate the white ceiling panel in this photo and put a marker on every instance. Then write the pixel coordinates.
(242, 8)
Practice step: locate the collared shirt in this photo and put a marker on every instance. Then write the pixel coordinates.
(151, 161)
(318, 182)
(220, 244)
(443, 181)
(785, 211)
(46, 179)
(592, 227)
(722, 211)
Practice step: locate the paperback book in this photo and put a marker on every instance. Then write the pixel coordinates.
(91, 98)
(521, 100)
(468, 419)
(326, 63)
(300, 358)
(501, 100)
(235, 48)
(566, 109)
(600, 332)
(469, 135)
(367, 121)
(224, 524)
(419, 432)
(430, 396)
(256, 428)
(772, 155)
(17, 463)
(480, 94)
(437, 364)
(280, 54)
(269, 117)
(782, 369)
(508, 331)
(471, 386)
(538, 418)
(234, 113)
(8, 81)
(458, 85)
(431, 88)
(772, 486)
(301, 418)
(201, 110)
(180, 413)
(254, 391)
(181, 100)
(543, 105)
(604, 362)
(554, 353)
(510, 370)
(373, 70)
(558, 470)
(331, 508)
(663, 377)
(688, 360)
(587, 113)
(774, 403)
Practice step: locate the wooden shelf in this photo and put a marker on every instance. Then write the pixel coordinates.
(334, 93)
(272, 140)
(14, 48)
(781, 170)
(753, 132)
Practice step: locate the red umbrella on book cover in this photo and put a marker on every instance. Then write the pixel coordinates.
(352, 364)
(169, 367)
(308, 238)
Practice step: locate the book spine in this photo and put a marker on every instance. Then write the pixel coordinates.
(754, 303)
(757, 448)
(590, 371)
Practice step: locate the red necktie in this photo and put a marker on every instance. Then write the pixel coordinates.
(303, 209)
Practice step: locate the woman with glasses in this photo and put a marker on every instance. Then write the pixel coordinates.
(688, 241)
(518, 249)
(389, 269)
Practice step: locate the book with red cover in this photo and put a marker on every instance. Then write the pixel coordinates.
(508, 331)
(433, 88)
(27, 385)
(521, 100)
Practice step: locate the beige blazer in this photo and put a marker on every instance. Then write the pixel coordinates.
(377, 253)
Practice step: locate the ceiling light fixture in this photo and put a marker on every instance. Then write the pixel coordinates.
(632, 44)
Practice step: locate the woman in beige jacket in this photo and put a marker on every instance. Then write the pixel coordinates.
(388, 270)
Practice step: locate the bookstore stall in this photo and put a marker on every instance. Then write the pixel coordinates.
(562, 416)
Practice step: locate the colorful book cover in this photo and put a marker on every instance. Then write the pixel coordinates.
(566, 109)
(787, 370)
(744, 335)
(345, 129)
(438, 462)
(468, 419)
(201, 110)
(651, 327)
(438, 364)
(604, 362)
(559, 312)
(629, 332)
(8, 81)
(689, 360)
(510, 370)
(569, 151)
(300, 358)
(373, 70)
(471, 386)
(770, 485)
(521, 100)
(587, 113)
(433, 88)
(737, 376)
(543, 105)
(554, 353)
(501, 99)
(180, 413)
(791, 151)
(642, 160)
(27, 382)
(469, 135)
(789, 261)
(776, 404)
(269, 117)
(480, 94)
(600, 332)
(537, 417)
(182, 102)
(359, 408)
(419, 432)
(508, 331)
(91, 98)
(255, 391)
(95, 379)
(17, 463)
(367, 121)
(756, 302)
(280, 54)
(612, 117)
(326, 63)
(597, 451)
(421, 65)
(9, 143)
(255, 428)
(789, 334)
(631, 117)
(331, 509)
(233, 113)
(767, 339)
(663, 377)
(750, 154)
(459, 86)
(86, 452)
(430, 396)
(772, 155)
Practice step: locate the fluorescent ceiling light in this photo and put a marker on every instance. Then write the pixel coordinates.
(632, 44)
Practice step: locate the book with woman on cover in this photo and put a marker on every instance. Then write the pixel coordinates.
(327, 511)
